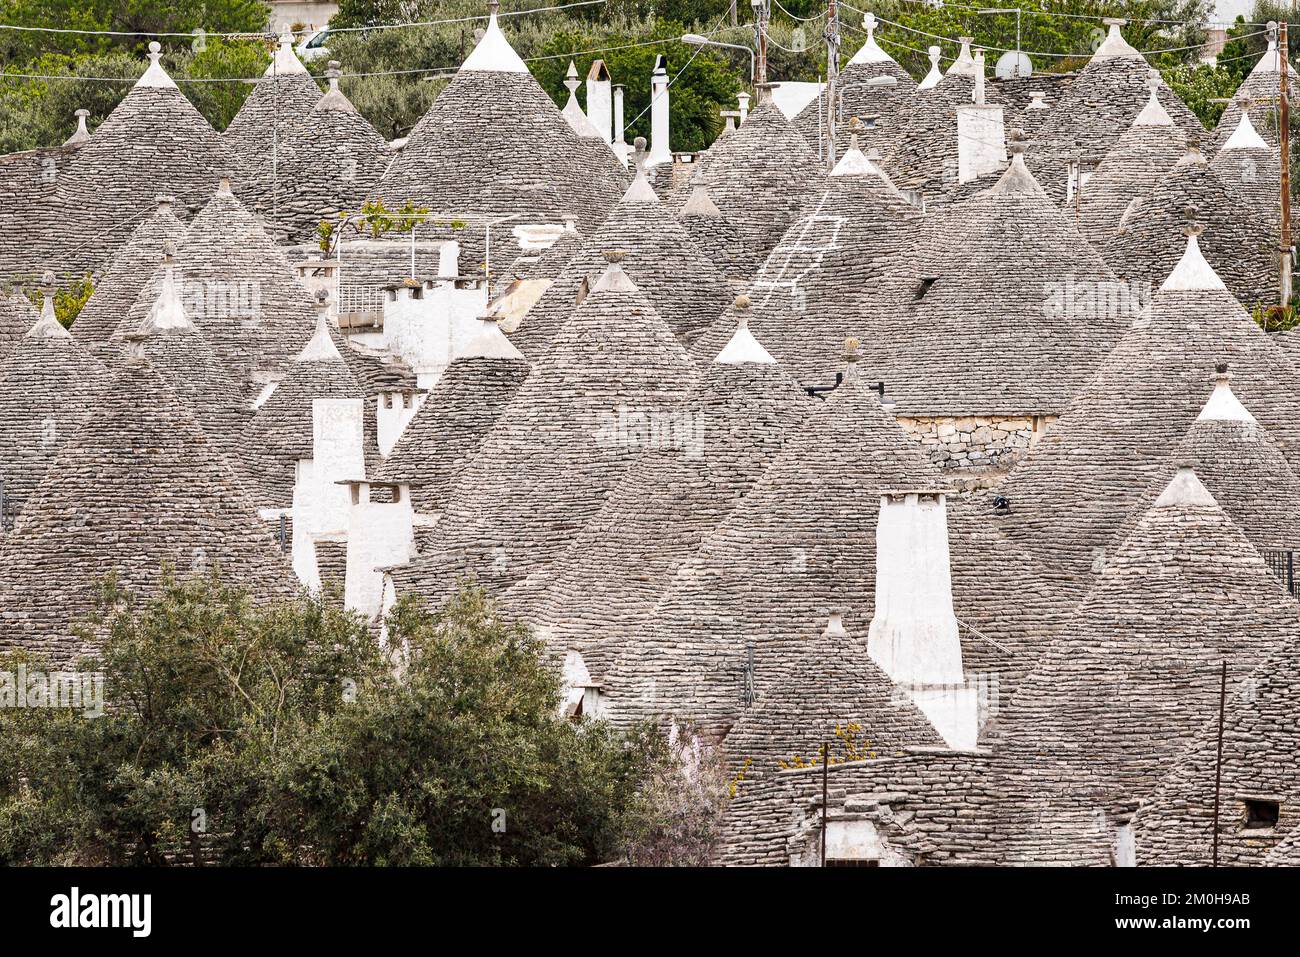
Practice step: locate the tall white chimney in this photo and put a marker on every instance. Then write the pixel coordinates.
(914, 635)
(380, 535)
(600, 99)
(660, 151)
(320, 505)
(621, 149)
(742, 100)
(981, 132)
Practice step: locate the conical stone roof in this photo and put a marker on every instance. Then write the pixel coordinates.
(331, 163)
(811, 292)
(1151, 240)
(125, 275)
(1251, 164)
(494, 143)
(139, 488)
(810, 689)
(1129, 172)
(802, 542)
(922, 155)
(717, 236)
(677, 279)
(1132, 678)
(738, 419)
(17, 316)
(1260, 91)
(444, 436)
(154, 136)
(1101, 105)
(1070, 493)
(181, 355)
(1241, 466)
(48, 385)
(858, 97)
(254, 311)
(947, 347)
(281, 431)
(272, 116)
(579, 420)
(760, 176)
(1175, 825)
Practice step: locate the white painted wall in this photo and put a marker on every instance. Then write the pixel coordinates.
(914, 634)
(393, 413)
(321, 507)
(429, 329)
(981, 141)
(380, 534)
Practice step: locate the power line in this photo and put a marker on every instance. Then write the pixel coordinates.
(1069, 16)
(251, 36)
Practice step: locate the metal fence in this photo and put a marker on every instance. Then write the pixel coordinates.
(1282, 564)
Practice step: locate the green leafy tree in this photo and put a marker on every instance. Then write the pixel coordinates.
(284, 734)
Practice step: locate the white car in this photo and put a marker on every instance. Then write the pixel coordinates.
(312, 46)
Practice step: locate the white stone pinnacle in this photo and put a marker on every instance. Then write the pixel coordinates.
(494, 53)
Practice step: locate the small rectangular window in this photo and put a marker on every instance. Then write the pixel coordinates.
(925, 285)
(1261, 814)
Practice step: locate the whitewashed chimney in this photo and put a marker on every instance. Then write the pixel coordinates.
(914, 634)
(600, 100)
(321, 506)
(742, 99)
(380, 535)
(394, 410)
(621, 149)
(981, 132)
(429, 324)
(660, 151)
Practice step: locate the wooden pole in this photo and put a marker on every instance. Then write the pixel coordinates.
(826, 763)
(761, 14)
(1284, 135)
(1218, 760)
(832, 77)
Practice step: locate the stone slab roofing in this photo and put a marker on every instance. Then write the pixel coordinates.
(1239, 247)
(858, 97)
(1130, 171)
(923, 154)
(271, 118)
(582, 416)
(812, 291)
(928, 807)
(1132, 678)
(669, 270)
(1175, 824)
(1251, 164)
(445, 435)
(605, 586)
(999, 307)
(331, 163)
(17, 316)
(717, 237)
(1070, 493)
(760, 176)
(138, 489)
(494, 143)
(280, 432)
(1103, 101)
(154, 137)
(1241, 466)
(1260, 90)
(801, 543)
(30, 227)
(813, 689)
(125, 275)
(255, 312)
(49, 384)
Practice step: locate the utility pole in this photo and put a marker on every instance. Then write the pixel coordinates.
(761, 13)
(832, 76)
(1284, 134)
(1218, 760)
